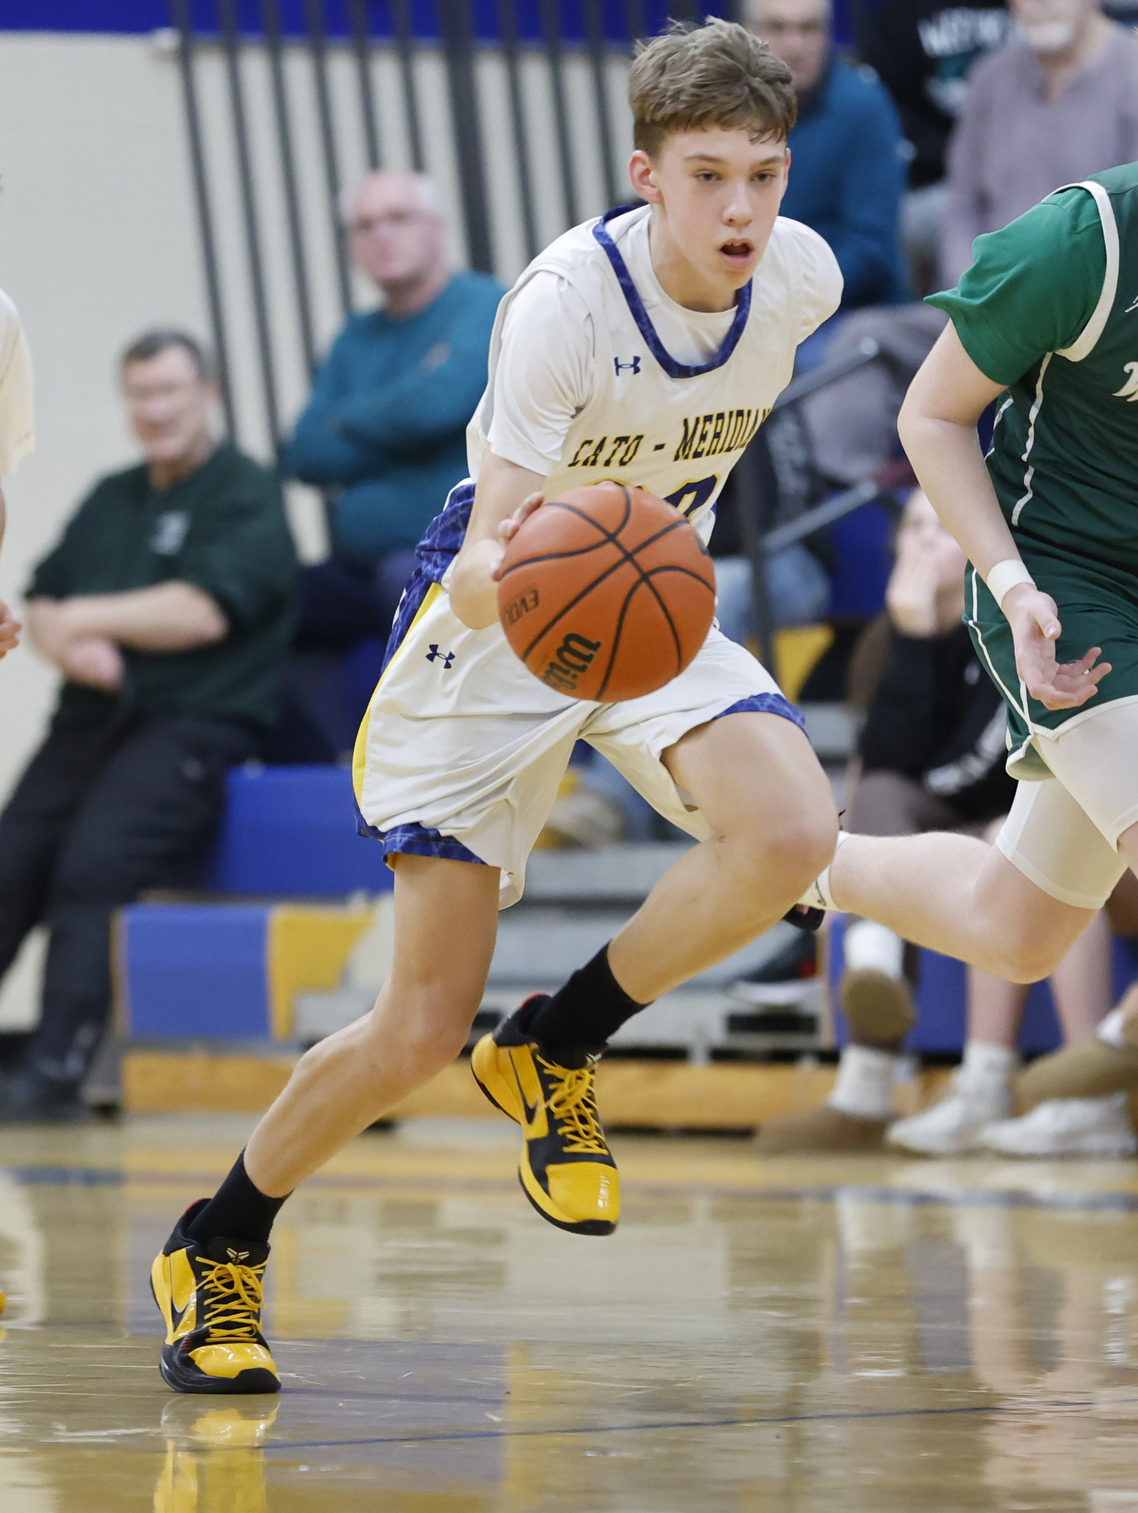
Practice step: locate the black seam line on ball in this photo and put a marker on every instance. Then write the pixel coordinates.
(619, 631)
(628, 558)
(654, 572)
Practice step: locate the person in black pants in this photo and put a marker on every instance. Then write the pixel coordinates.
(168, 608)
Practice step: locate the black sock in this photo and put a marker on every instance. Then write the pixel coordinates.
(590, 1008)
(237, 1211)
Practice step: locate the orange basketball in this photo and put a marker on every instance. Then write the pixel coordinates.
(606, 593)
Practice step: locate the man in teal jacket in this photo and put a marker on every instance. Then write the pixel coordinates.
(386, 421)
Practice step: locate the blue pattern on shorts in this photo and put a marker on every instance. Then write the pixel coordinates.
(767, 703)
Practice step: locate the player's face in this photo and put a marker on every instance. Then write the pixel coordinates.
(718, 194)
(169, 405)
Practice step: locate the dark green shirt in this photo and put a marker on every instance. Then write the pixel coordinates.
(1047, 312)
(224, 530)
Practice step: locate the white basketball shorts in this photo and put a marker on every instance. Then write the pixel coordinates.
(462, 749)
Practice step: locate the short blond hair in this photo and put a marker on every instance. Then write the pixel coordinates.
(696, 77)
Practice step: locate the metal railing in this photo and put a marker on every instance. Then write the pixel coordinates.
(561, 65)
(517, 106)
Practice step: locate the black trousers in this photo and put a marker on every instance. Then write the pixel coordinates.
(100, 815)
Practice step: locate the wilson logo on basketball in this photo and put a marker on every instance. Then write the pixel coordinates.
(573, 657)
(520, 606)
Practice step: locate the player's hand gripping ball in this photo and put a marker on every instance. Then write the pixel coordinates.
(606, 593)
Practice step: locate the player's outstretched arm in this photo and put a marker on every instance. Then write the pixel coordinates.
(505, 494)
(937, 426)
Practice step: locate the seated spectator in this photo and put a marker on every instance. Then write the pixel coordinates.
(1056, 104)
(932, 758)
(386, 422)
(168, 608)
(923, 51)
(848, 171)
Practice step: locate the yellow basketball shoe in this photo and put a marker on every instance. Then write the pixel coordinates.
(567, 1171)
(210, 1297)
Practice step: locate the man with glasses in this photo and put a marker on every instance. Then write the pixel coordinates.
(848, 156)
(167, 607)
(385, 426)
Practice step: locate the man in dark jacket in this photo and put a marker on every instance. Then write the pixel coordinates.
(923, 52)
(168, 607)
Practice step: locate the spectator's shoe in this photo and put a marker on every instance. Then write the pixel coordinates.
(566, 1170)
(1089, 1068)
(878, 1006)
(796, 963)
(954, 1126)
(1067, 1127)
(210, 1298)
(31, 1098)
(821, 1129)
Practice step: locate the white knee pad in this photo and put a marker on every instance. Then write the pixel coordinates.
(1095, 757)
(1055, 844)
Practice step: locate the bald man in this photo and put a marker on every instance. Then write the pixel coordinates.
(385, 426)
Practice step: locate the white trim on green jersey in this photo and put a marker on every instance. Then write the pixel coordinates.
(1085, 343)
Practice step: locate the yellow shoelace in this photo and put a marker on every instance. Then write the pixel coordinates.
(233, 1293)
(573, 1105)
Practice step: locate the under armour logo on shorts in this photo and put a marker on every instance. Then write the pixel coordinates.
(435, 655)
(634, 365)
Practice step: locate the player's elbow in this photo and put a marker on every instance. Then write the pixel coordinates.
(200, 620)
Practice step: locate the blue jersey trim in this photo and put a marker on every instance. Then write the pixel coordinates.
(767, 703)
(669, 364)
(416, 840)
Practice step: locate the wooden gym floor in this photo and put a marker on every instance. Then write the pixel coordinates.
(862, 1335)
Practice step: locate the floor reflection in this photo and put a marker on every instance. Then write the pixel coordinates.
(865, 1337)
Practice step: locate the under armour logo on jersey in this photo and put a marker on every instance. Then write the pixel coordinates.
(1129, 389)
(634, 365)
(435, 655)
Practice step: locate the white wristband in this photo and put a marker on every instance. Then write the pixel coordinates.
(1004, 576)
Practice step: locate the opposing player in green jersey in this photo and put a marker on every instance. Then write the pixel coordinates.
(1045, 322)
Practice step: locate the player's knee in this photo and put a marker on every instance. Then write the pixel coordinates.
(786, 854)
(425, 1035)
(1027, 954)
(797, 847)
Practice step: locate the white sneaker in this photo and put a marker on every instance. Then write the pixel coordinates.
(1067, 1127)
(952, 1126)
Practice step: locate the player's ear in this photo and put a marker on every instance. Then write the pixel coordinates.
(642, 173)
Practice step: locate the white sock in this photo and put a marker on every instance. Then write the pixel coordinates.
(1110, 1029)
(865, 1083)
(987, 1067)
(870, 945)
(818, 895)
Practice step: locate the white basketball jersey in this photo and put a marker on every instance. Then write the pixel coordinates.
(674, 428)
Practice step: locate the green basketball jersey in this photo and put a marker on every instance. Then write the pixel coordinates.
(1050, 308)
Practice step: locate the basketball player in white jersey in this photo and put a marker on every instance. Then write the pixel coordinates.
(17, 435)
(645, 347)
